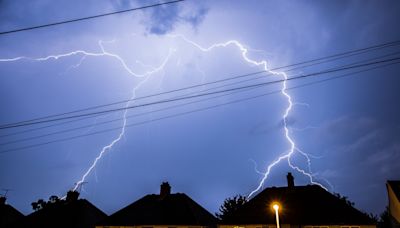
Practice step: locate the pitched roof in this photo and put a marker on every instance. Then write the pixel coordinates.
(9, 215)
(169, 209)
(395, 186)
(74, 214)
(307, 205)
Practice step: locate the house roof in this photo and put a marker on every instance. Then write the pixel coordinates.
(73, 214)
(306, 205)
(9, 215)
(163, 209)
(395, 186)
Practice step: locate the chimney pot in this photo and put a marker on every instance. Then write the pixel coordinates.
(72, 196)
(2, 200)
(165, 189)
(290, 180)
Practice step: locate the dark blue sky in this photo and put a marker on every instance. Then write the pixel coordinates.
(349, 126)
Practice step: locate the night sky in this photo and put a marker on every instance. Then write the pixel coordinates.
(348, 126)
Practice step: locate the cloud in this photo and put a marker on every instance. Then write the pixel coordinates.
(353, 127)
(265, 127)
(328, 174)
(363, 141)
(358, 151)
(261, 129)
(363, 144)
(164, 19)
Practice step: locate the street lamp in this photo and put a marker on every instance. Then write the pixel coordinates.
(275, 206)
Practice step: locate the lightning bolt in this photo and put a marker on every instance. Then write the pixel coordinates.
(292, 145)
(286, 156)
(122, 133)
(146, 75)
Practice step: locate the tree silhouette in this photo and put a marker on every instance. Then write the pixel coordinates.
(40, 204)
(230, 205)
(344, 199)
(384, 219)
(54, 199)
(35, 206)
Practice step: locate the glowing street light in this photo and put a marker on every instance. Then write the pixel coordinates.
(275, 206)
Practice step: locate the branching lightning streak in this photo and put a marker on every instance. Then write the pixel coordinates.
(244, 53)
(263, 63)
(103, 53)
(122, 133)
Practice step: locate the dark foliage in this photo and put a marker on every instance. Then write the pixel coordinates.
(54, 201)
(344, 199)
(230, 205)
(348, 202)
(384, 219)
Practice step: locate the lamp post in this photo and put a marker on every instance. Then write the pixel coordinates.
(275, 206)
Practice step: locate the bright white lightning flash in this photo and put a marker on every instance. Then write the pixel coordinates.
(122, 133)
(244, 53)
(263, 64)
(103, 53)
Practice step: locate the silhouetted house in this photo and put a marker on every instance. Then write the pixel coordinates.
(300, 206)
(8, 214)
(393, 188)
(163, 210)
(71, 212)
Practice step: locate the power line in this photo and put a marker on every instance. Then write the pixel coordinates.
(118, 119)
(167, 108)
(199, 95)
(295, 65)
(194, 111)
(88, 117)
(44, 127)
(134, 99)
(88, 18)
(234, 89)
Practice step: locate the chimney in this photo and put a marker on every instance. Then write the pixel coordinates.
(2, 200)
(72, 196)
(165, 189)
(290, 180)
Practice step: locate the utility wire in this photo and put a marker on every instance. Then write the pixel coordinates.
(198, 95)
(47, 126)
(196, 110)
(119, 119)
(313, 61)
(166, 108)
(203, 94)
(88, 18)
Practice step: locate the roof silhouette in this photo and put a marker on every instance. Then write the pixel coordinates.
(78, 213)
(8, 214)
(307, 205)
(169, 209)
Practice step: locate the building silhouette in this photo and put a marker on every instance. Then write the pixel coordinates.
(393, 189)
(71, 212)
(299, 206)
(8, 214)
(161, 210)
